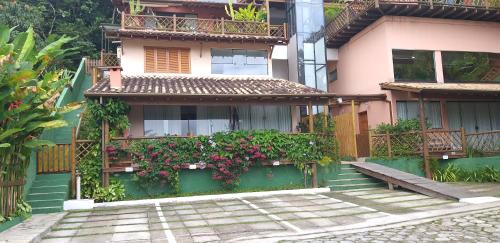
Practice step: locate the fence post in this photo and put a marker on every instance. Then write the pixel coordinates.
(464, 140)
(370, 144)
(175, 23)
(222, 24)
(123, 20)
(73, 160)
(285, 30)
(105, 164)
(389, 145)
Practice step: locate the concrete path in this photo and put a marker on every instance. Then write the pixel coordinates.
(32, 229)
(252, 218)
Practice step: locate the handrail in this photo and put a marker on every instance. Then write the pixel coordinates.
(221, 26)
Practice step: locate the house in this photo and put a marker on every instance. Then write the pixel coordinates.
(447, 52)
(186, 68)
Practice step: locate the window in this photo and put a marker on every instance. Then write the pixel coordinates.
(166, 60)
(473, 116)
(413, 66)
(239, 62)
(408, 110)
(471, 67)
(206, 120)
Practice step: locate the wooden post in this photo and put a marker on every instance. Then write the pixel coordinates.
(268, 18)
(431, 4)
(73, 160)
(314, 167)
(353, 111)
(94, 75)
(285, 30)
(123, 20)
(325, 117)
(464, 140)
(377, 4)
(389, 145)
(310, 117)
(370, 143)
(222, 24)
(425, 147)
(105, 160)
(175, 22)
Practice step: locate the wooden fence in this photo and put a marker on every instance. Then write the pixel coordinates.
(345, 132)
(54, 159)
(453, 143)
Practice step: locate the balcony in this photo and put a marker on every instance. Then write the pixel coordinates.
(173, 27)
(358, 14)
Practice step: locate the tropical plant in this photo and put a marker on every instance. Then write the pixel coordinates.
(453, 173)
(135, 7)
(332, 10)
(248, 13)
(29, 87)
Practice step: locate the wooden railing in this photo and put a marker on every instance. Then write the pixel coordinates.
(440, 142)
(201, 26)
(357, 8)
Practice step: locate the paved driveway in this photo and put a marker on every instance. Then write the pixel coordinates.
(232, 219)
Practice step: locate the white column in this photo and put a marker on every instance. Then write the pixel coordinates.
(438, 66)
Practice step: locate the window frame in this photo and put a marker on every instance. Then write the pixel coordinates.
(232, 62)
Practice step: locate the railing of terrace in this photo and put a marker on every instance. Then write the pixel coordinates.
(357, 8)
(439, 142)
(203, 26)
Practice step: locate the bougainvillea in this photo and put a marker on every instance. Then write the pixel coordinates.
(227, 155)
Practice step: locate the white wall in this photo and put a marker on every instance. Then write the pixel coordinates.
(133, 53)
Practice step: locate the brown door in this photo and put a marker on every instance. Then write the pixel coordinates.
(362, 138)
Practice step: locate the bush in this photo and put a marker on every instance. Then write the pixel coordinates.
(452, 173)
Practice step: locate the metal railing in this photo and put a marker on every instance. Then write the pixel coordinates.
(201, 26)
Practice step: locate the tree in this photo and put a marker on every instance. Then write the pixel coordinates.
(29, 86)
(52, 19)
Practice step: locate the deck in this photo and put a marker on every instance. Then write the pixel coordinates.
(412, 182)
(361, 13)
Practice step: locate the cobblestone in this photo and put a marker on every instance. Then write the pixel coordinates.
(476, 227)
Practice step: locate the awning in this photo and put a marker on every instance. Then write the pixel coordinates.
(220, 88)
(479, 89)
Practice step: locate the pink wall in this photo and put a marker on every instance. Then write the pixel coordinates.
(366, 60)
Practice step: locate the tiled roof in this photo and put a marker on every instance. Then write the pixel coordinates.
(158, 34)
(444, 87)
(211, 85)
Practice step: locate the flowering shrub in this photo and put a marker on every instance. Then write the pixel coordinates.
(227, 155)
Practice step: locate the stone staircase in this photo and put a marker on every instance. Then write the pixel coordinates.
(348, 179)
(48, 192)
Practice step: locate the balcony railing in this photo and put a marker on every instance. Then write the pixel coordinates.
(221, 26)
(360, 13)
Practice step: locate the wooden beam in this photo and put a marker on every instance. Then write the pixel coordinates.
(310, 117)
(423, 125)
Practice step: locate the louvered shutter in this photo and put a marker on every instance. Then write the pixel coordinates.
(173, 60)
(149, 60)
(161, 60)
(185, 65)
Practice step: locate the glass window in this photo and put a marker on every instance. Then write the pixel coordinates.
(239, 62)
(413, 66)
(407, 110)
(471, 66)
(473, 116)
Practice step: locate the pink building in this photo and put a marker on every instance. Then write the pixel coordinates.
(449, 55)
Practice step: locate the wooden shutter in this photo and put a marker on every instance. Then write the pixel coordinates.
(149, 60)
(173, 60)
(161, 60)
(166, 60)
(185, 63)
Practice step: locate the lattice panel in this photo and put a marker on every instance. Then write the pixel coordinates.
(379, 146)
(83, 148)
(109, 60)
(278, 30)
(488, 142)
(444, 141)
(405, 144)
(245, 28)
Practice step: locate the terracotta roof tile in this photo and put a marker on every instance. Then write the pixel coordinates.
(212, 85)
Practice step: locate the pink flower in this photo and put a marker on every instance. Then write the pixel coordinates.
(154, 155)
(141, 173)
(171, 145)
(176, 167)
(167, 161)
(150, 148)
(163, 173)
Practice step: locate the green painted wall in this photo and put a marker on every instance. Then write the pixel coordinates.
(80, 82)
(258, 177)
(473, 163)
(30, 174)
(409, 165)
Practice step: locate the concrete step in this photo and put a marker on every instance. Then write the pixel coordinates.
(352, 181)
(51, 177)
(357, 186)
(47, 210)
(350, 175)
(48, 189)
(45, 203)
(57, 182)
(47, 196)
